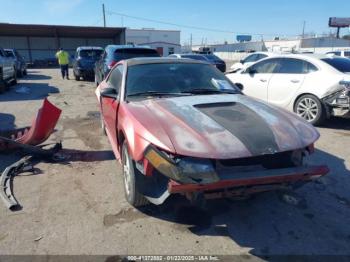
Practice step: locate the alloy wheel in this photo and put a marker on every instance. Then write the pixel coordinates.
(307, 108)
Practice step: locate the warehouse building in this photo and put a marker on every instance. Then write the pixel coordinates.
(167, 42)
(39, 43)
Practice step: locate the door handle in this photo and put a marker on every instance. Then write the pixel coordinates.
(263, 80)
(295, 81)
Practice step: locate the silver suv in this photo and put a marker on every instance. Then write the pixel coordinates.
(8, 74)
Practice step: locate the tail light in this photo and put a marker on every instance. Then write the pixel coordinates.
(110, 66)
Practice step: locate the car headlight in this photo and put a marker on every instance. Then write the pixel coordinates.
(186, 170)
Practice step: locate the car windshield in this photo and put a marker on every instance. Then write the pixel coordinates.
(339, 63)
(176, 79)
(94, 54)
(9, 53)
(127, 53)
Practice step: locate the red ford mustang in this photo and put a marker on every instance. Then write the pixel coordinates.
(180, 126)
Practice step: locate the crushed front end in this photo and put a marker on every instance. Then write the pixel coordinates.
(223, 178)
(339, 101)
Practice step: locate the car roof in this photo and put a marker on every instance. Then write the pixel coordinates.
(115, 47)
(89, 48)
(162, 60)
(9, 49)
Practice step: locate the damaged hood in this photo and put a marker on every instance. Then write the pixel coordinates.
(225, 126)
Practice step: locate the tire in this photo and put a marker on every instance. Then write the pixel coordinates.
(25, 72)
(2, 85)
(103, 127)
(131, 193)
(20, 73)
(310, 108)
(77, 78)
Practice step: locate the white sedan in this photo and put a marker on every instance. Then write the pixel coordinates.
(314, 87)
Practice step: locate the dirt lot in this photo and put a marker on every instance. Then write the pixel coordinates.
(79, 207)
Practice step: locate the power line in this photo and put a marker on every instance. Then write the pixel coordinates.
(185, 26)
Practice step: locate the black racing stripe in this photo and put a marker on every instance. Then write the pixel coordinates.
(243, 123)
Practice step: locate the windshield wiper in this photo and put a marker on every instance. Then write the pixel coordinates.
(209, 91)
(156, 93)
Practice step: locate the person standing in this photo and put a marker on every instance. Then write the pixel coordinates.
(63, 60)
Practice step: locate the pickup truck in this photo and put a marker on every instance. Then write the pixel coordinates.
(8, 74)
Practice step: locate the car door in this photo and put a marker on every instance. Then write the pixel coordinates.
(110, 105)
(255, 79)
(288, 77)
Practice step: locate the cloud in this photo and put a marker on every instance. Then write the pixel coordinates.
(60, 6)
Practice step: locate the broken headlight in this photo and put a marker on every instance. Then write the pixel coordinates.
(185, 170)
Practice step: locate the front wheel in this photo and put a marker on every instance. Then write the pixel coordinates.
(131, 193)
(311, 109)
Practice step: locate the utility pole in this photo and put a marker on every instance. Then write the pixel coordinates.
(303, 34)
(104, 15)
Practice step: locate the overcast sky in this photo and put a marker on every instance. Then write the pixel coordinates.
(269, 17)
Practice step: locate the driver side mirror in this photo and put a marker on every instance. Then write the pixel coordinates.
(241, 61)
(250, 71)
(109, 92)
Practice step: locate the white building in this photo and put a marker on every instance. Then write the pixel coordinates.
(165, 41)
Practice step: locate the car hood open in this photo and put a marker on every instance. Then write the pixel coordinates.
(225, 126)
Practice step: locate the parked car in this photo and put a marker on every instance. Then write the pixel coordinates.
(180, 126)
(21, 66)
(8, 73)
(84, 61)
(313, 86)
(115, 53)
(212, 59)
(249, 60)
(340, 53)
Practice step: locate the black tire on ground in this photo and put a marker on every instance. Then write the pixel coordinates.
(131, 193)
(77, 78)
(20, 73)
(311, 109)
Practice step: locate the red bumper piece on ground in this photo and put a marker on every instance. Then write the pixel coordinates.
(42, 127)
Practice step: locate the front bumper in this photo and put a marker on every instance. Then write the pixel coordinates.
(251, 180)
(339, 102)
(194, 176)
(83, 72)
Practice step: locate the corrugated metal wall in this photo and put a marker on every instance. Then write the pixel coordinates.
(45, 48)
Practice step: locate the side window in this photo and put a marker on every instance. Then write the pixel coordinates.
(290, 66)
(309, 68)
(347, 54)
(116, 77)
(251, 58)
(261, 56)
(264, 67)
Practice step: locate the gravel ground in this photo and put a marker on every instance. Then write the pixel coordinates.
(79, 207)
